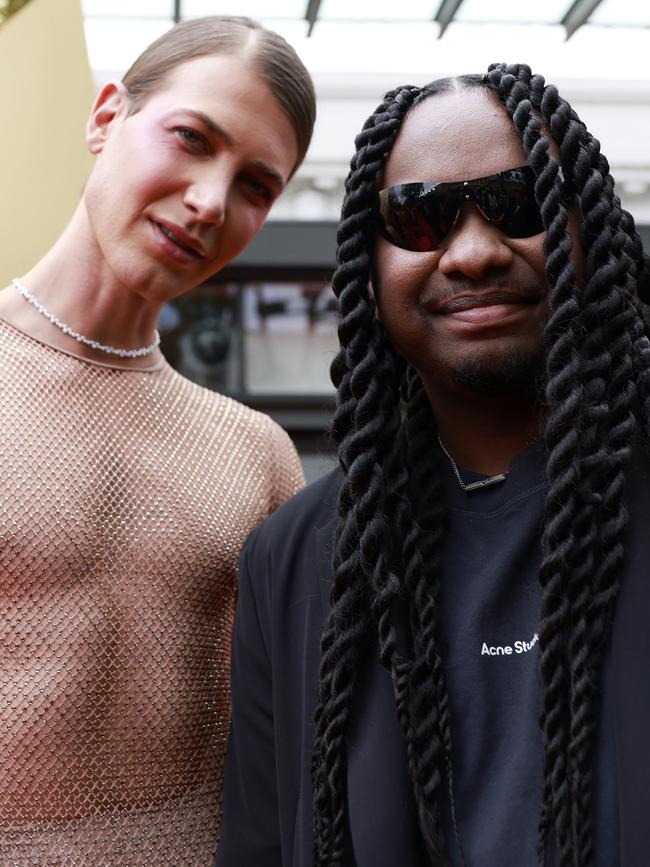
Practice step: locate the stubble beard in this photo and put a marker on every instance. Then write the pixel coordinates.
(519, 373)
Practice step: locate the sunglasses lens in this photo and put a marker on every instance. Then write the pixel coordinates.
(418, 216)
(410, 216)
(509, 202)
(523, 219)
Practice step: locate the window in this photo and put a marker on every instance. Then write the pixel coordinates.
(273, 340)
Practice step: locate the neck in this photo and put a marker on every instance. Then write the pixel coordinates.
(484, 433)
(73, 282)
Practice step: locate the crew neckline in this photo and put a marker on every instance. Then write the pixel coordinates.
(159, 365)
(526, 474)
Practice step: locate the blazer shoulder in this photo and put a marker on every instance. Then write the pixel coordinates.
(288, 556)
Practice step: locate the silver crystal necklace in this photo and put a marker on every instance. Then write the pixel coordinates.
(473, 486)
(140, 352)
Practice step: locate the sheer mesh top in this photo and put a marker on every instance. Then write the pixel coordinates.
(126, 498)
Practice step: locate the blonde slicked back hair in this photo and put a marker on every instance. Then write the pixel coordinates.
(268, 54)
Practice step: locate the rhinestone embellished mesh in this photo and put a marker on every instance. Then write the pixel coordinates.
(126, 498)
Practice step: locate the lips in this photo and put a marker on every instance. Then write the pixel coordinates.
(474, 312)
(466, 302)
(178, 239)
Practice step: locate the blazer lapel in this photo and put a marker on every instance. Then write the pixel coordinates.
(380, 801)
(324, 537)
(382, 820)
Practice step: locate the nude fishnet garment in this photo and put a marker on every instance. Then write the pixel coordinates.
(126, 497)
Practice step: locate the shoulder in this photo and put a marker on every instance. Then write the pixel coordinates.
(244, 433)
(307, 511)
(297, 530)
(288, 555)
(224, 414)
(212, 405)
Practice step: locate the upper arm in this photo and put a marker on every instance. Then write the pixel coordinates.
(288, 477)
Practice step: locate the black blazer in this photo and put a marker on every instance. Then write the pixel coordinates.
(285, 582)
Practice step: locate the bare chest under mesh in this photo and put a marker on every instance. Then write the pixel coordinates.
(119, 535)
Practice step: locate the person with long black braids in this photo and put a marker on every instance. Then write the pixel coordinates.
(441, 651)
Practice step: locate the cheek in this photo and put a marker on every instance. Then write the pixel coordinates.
(151, 165)
(100, 200)
(400, 280)
(401, 270)
(529, 256)
(243, 222)
(538, 257)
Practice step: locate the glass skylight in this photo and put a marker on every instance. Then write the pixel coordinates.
(398, 38)
(128, 8)
(252, 8)
(622, 12)
(514, 11)
(114, 43)
(379, 10)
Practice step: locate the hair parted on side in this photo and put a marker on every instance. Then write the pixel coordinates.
(391, 510)
(271, 56)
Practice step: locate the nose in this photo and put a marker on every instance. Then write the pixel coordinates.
(207, 199)
(474, 247)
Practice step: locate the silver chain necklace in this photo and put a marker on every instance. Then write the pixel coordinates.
(473, 486)
(94, 344)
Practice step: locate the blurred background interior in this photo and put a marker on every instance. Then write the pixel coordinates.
(264, 330)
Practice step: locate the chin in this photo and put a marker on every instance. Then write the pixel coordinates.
(158, 288)
(519, 372)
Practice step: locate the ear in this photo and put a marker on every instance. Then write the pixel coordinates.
(111, 105)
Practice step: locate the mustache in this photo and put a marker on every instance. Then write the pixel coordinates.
(457, 295)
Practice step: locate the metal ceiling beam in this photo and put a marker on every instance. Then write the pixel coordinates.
(312, 14)
(177, 11)
(577, 14)
(445, 14)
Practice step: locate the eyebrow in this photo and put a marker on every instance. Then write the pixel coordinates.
(221, 133)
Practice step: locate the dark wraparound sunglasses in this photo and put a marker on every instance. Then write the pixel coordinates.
(418, 216)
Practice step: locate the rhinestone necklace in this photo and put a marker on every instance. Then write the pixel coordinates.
(473, 486)
(94, 344)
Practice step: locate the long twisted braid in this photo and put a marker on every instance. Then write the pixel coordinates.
(361, 372)
(391, 510)
(423, 537)
(592, 335)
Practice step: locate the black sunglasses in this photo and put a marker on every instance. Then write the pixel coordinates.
(418, 216)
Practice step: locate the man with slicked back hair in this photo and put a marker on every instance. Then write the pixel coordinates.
(129, 490)
(441, 649)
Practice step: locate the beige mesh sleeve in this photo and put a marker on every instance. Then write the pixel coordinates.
(287, 476)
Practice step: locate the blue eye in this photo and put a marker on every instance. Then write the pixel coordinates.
(192, 138)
